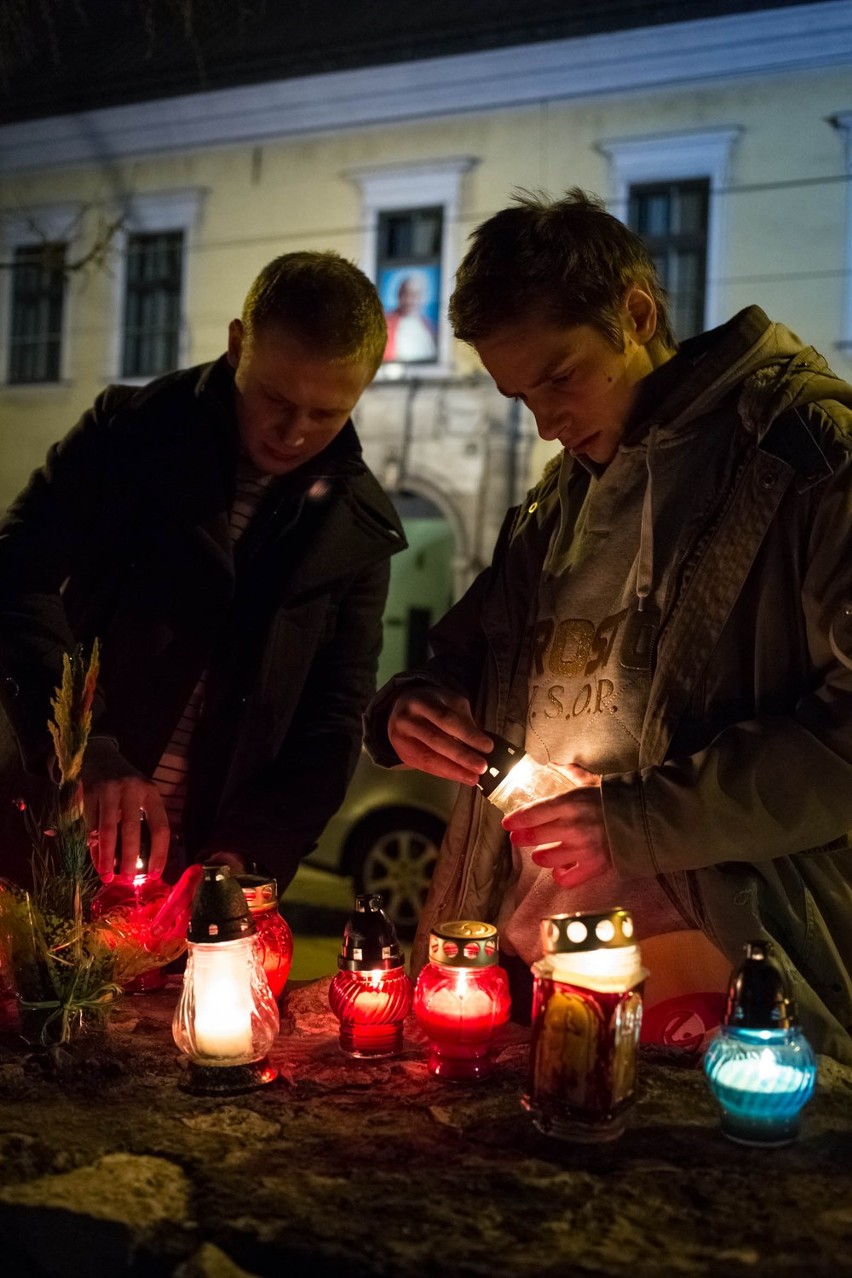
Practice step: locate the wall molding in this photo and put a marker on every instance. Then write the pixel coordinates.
(766, 42)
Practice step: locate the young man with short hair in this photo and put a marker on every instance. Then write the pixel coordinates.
(667, 617)
(218, 531)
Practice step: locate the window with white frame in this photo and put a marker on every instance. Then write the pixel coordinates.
(671, 190)
(409, 249)
(672, 218)
(152, 301)
(35, 321)
(36, 248)
(152, 283)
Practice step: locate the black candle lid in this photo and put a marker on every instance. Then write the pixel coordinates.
(370, 942)
(501, 759)
(220, 911)
(758, 995)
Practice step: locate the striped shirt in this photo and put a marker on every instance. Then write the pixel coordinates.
(170, 774)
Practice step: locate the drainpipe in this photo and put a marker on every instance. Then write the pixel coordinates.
(407, 429)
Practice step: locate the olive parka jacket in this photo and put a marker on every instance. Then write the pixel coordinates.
(123, 535)
(743, 795)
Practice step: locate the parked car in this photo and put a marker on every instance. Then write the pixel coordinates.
(387, 835)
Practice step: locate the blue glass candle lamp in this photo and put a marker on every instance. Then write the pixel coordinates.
(760, 1066)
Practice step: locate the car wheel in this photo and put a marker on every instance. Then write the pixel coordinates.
(394, 854)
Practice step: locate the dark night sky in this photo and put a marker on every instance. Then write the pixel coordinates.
(67, 55)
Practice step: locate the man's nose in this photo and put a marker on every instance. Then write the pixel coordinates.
(291, 424)
(549, 425)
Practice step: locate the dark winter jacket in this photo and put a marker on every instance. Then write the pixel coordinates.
(123, 535)
(743, 795)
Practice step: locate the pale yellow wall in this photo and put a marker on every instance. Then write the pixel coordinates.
(784, 246)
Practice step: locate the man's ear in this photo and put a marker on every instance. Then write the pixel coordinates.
(640, 314)
(236, 337)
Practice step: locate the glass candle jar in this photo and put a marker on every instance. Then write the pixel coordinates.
(514, 780)
(760, 1067)
(462, 999)
(371, 994)
(131, 893)
(586, 1018)
(273, 938)
(226, 1019)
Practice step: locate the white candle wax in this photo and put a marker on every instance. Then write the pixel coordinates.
(761, 1075)
(462, 1003)
(223, 1002)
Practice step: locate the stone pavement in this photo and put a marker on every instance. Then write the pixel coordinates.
(380, 1171)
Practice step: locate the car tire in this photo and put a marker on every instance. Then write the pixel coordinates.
(393, 854)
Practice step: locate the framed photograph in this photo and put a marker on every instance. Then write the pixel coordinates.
(411, 297)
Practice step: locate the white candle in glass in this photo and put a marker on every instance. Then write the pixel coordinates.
(223, 1001)
(760, 1074)
(462, 1005)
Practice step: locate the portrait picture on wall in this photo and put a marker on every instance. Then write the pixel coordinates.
(411, 297)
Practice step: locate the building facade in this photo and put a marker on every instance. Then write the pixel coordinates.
(131, 232)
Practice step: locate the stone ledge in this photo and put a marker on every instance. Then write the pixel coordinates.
(381, 1171)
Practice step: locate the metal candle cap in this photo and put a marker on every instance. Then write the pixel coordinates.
(260, 892)
(758, 995)
(369, 939)
(501, 760)
(568, 933)
(220, 911)
(464, 943)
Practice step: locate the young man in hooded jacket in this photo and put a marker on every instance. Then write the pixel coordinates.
(218, 531)
(668, 617)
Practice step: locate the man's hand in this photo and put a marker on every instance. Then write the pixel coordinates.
(116, 794)
(572, 824)
(433, 730)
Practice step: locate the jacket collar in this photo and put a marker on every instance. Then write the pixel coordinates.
(705, 369)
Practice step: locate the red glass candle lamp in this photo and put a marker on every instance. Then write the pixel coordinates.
(274, 938)
(226, 1019)
(132, 893)
(371, 994)
(462, 999)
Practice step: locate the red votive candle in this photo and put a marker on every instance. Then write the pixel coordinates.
(462, 999)
(371, 994)
(131, 893)
(274, 938)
